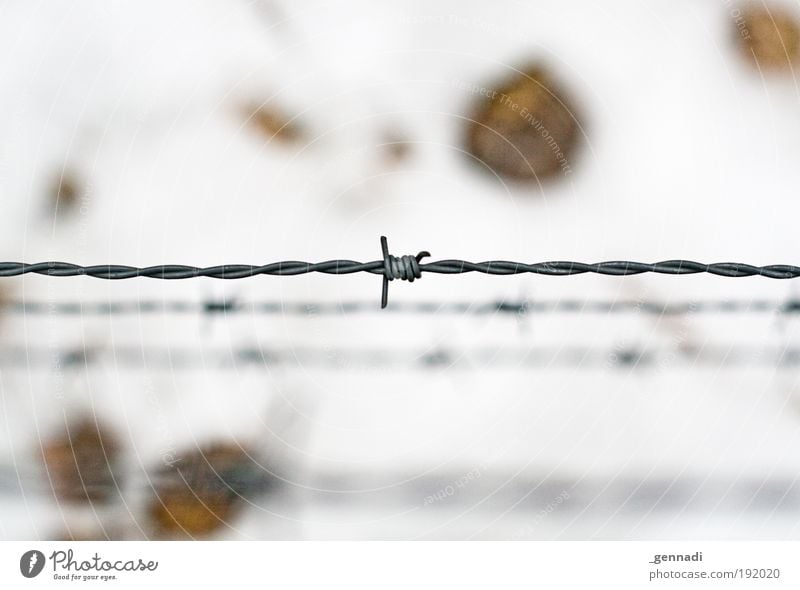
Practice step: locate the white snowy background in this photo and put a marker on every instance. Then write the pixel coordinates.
(690, 152)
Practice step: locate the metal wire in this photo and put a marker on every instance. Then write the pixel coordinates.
(405, 268)
(23, 358)
(528, 491)
(506, 308)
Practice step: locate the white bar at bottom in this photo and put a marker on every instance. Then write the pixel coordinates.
(402, 565)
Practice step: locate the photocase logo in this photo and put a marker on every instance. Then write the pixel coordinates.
(31, 563)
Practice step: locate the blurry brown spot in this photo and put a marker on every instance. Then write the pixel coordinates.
(271, 123)
(769, 37)
(203, 491)
(524, 128)
(396, 148)
(65, 192)
(83, 463)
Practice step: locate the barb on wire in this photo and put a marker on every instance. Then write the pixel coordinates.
(406, 268)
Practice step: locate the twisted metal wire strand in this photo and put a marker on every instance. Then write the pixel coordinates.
(407, 268)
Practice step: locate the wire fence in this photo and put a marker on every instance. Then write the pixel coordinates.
(366, 360)
(499, 307)
(406, 268)
(527, 491)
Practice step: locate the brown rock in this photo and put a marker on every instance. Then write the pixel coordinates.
(524, 128)
(83, 462)
(769, 37)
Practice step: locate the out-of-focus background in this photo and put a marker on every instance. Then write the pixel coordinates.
(475, 407)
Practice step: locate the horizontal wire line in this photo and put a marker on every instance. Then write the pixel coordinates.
(339, 267)
(404, 268)
(666, 494)
(326, 308)
(739, 356)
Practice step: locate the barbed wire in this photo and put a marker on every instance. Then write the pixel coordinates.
(502, 307)
(667, 494)
(405, 268)
(23, 358)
